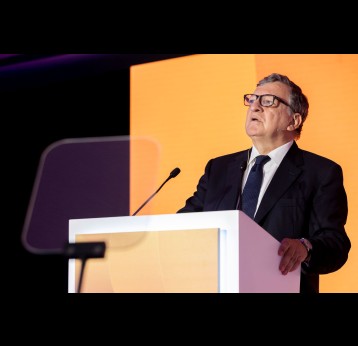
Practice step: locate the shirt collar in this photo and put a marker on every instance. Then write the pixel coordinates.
(276, 155)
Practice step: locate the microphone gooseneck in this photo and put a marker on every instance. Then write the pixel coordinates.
(172, 174)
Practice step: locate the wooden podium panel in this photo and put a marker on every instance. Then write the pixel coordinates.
(153, 262)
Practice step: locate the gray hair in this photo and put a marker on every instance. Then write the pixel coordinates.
(298, 101)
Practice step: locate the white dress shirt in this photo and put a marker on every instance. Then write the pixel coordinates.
(269, 169)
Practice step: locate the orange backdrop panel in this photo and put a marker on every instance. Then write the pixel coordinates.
(193, 107)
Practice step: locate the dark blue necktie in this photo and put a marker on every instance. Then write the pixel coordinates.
(252, 188)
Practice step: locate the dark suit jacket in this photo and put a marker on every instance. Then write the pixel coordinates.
(306, 198)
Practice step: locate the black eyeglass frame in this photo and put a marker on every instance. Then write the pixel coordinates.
(246, 96)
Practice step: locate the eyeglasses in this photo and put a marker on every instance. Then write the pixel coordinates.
(265, 100)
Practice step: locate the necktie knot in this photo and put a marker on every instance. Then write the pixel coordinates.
(260, 161)
(252, 188)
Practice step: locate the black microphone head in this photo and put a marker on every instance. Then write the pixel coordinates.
(174, 172)
(243, 165)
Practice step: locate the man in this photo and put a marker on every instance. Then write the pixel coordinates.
(301, 200)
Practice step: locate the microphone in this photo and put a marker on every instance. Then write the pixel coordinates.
(172, 174)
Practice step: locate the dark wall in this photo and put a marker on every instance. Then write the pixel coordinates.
(81, 107)
(44, 102)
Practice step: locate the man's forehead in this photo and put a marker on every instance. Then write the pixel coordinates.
(275, 88)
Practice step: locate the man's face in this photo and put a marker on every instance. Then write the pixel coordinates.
(270, 123)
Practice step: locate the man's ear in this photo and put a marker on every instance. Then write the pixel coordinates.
(296, 121)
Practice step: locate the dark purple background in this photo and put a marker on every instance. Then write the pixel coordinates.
(44, 99)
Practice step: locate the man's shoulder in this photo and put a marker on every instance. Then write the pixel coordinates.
(238, 155)
(312, 157)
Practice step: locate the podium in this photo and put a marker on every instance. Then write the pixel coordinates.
(206, 252)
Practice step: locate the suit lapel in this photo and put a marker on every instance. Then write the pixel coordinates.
(234, 179)
(286, 174)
